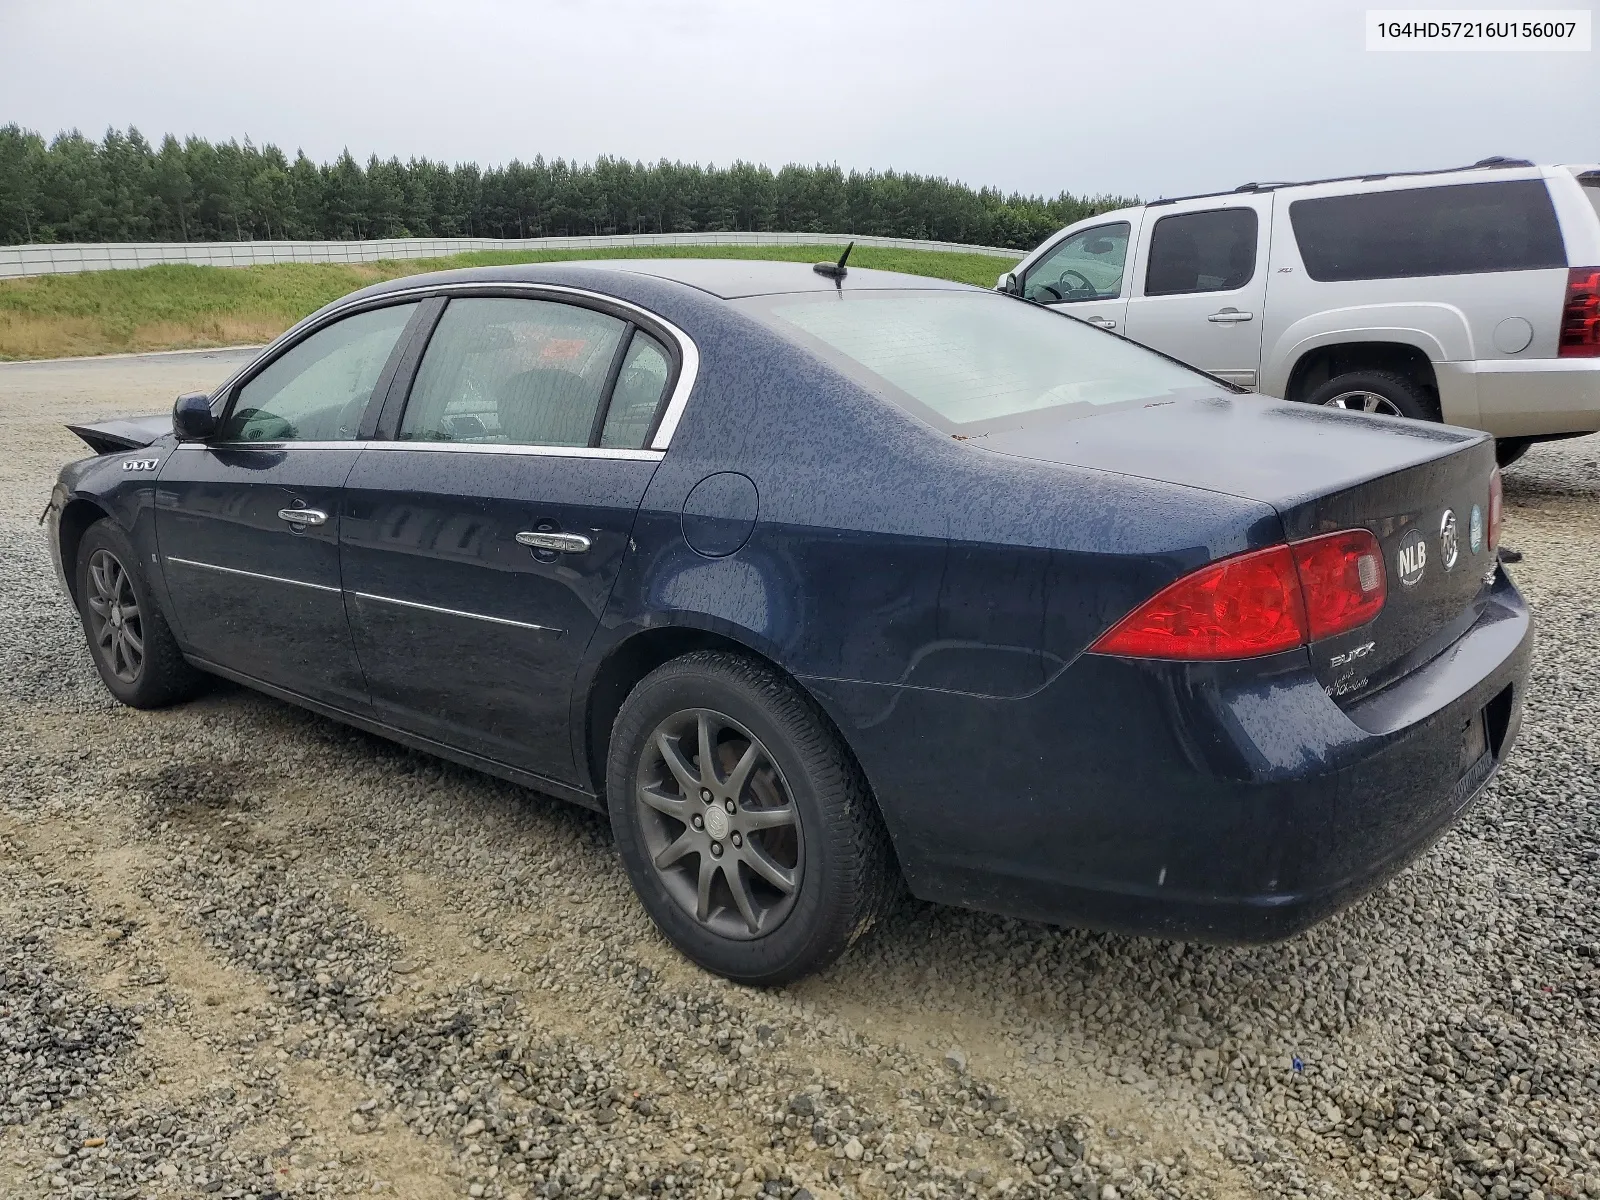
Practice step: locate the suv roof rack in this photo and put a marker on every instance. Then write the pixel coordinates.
(1493, 163)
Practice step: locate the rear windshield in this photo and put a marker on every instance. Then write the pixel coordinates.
(975, 360)
(1456, 230)
(1592, 191)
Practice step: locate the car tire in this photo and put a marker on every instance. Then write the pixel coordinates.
(786, 796)
(1508, 450)
(129, 639)
(1382, 392)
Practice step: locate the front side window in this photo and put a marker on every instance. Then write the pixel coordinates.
(976, 362)
(1458, 229)
(504, 371)
(318, 390)
(1086, 266)
(1212, 251)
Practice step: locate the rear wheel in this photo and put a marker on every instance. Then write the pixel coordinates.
(1382, 392)
(133, 648)
(746, 828)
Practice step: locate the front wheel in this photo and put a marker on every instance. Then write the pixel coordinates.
(133, 648)
(745, 827)
(1383, 392)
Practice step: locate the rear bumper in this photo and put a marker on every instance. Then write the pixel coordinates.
(1212, 803)
(1538, 396)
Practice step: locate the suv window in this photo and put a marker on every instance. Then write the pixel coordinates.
(1213, 251)
(1458, 229)
(1087, 266)
(318, 389)
(513, 372)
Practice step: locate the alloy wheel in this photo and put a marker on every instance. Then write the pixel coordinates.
(719, 823)
(116, 627)
(1362, 400)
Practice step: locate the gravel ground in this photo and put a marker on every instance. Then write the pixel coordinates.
(246, 952)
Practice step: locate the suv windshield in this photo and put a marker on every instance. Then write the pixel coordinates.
(974, 360)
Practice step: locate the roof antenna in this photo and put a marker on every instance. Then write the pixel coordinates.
(835, 271)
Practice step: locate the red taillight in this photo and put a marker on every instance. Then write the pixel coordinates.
(1580, 316)
(1342, 579)
(1258, 603)
(1240, 607)
(1497, 505)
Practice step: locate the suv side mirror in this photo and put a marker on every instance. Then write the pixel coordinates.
(192, 418)
(1009, 284)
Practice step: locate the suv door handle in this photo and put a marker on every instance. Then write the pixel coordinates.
(1230, 316)
(561, 543)
(302, 517)
(1103, 322)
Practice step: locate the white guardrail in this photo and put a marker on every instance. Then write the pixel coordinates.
(18, 262)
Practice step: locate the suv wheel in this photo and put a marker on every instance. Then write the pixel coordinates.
(746, 829)
(133, 648)
(1383, 392)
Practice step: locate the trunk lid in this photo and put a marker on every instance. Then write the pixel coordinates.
(1322, 470)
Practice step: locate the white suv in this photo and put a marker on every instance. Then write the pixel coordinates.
(1469, 296)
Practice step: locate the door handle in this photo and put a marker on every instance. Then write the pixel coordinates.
(302, 517)
(1103, 322)
(1230, 316)
(561, 543)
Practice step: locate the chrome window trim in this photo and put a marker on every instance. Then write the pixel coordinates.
(509, 448)
(688, 352)
(456, 612)
(275, 447)
(205, 566)
(440, 447)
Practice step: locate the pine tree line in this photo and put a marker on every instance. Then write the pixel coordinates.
(123, 189)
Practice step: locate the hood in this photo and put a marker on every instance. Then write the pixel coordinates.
(124, 433)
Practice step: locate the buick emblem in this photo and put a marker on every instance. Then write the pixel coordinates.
(1449, 551)
(1411, 559)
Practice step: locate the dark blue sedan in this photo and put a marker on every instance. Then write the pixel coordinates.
(822, 586)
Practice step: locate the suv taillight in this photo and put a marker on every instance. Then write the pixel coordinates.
(1580, 317)
(1258, 603)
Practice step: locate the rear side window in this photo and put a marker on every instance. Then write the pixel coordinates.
(1211, 251)
(1460, 229)
(513, 372)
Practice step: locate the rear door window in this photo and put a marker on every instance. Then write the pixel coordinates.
(1213, 251)
(1459, 229)
(502, 371)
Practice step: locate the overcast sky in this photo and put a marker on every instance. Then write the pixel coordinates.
(1125, 96)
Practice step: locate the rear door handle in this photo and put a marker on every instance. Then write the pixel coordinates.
(1103, 322)
(561, 543)
(303, 516)
(1230, 316)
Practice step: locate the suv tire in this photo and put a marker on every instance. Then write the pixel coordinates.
(787, 863)
(1384, 392)
(129, 639)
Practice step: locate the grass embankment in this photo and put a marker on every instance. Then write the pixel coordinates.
(182, 307)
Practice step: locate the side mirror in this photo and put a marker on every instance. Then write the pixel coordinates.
(1008, 284)
(192, 418)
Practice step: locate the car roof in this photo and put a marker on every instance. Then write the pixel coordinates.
(724, 278)
(734, 278)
